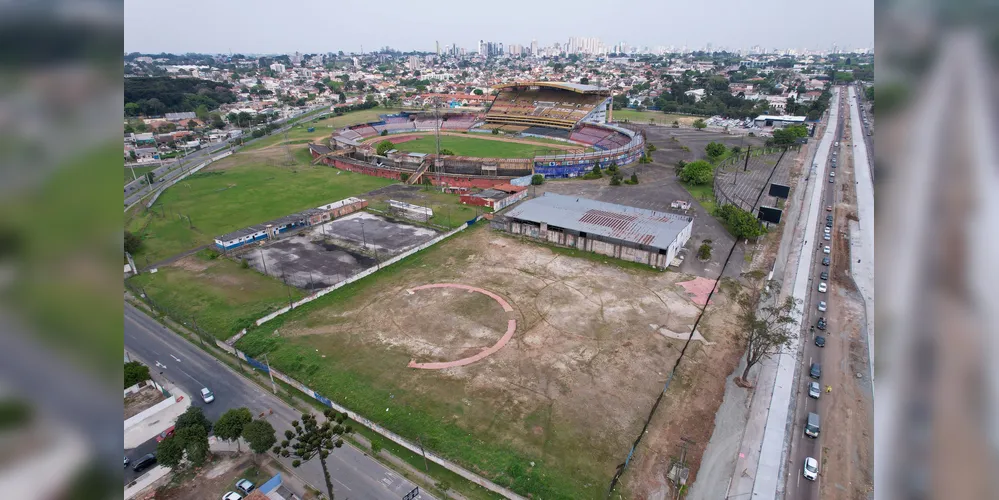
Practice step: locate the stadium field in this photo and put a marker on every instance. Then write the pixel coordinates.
(481, 148)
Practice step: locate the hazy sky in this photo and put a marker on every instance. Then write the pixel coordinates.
(307, 26)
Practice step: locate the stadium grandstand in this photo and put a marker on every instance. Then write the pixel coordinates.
(549, 104)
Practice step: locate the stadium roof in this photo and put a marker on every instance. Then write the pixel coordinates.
(619, 222)
(574, 87)
(782, 118)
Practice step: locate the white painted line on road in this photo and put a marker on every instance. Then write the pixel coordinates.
(175, 358)
(161, 365)
(341, 484)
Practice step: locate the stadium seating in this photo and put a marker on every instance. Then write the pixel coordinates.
(550, 107)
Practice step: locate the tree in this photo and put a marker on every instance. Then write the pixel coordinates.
(150, 176)
(384, 147)
(193, 417)
(195, 440)
(310, 439)
(699, 124)
(170, 452)
(191, 124)
(740, 223)
(132, 156)
(765, 322)
(342, 97)
(477, 91)
(676, 123)
(135, 372)
(260, 435)
(736, 150)
(131, 109)
(230, 425)
(584, 80)
(495, 131)
(258, 133)
(201, 112)
(697, 172)
(132, 245)
(704, 251)
(634, 178)
(715, 149)
(537, 179)
(446, 152)
(376, 446)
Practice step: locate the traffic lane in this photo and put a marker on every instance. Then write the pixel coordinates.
(136, 453)
(351, 469)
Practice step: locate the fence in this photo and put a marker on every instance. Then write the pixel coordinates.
(723, 191)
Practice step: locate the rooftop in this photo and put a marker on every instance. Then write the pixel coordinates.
(575, 87)
(782, 118)
(619, 222)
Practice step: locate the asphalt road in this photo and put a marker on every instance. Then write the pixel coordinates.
(355, 475)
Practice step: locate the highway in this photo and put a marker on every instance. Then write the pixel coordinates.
(175, 360)
(834, 357)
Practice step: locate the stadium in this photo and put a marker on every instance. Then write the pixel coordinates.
(558, 130)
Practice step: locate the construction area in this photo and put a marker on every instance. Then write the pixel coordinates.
(322, 255)
(532, 366)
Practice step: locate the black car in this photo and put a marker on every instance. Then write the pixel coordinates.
(815, 371)
(825, 261)
(820, 341)
(821, 324)
(829, 218)
(824, 275)
(828, 223)
(144, 463)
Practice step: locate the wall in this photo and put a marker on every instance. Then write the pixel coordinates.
(149, 412)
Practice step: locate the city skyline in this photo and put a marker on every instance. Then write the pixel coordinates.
(252, 26)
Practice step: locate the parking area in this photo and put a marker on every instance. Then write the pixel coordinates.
(323, 255)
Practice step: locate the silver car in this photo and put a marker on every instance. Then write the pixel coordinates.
(814, 391)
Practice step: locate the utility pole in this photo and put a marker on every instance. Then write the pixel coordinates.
(424, 452)
(749, 150)
(273, 385)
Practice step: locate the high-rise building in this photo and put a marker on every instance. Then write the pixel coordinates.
(534, 48)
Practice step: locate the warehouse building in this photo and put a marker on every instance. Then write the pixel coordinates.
(633, 234)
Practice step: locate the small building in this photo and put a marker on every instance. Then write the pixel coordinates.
(778, 121)
(272, 229)
(628, 233)
(496, 197)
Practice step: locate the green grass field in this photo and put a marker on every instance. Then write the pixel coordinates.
(324, 127)
(448, 210)
(219, 294)
(473, 146)
(139, 172)
(657, 117)
(248, 188)
(704, 195)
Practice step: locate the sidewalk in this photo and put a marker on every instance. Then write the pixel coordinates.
(144, 427)
(146, 480)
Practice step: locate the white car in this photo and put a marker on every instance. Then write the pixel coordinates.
(245, 486)
(823, 287)
(822, 306)
(207, 395)
(232, 495)
(827, 230)
(826, 249)
(811, 469)
(826, 237)
(814, 391)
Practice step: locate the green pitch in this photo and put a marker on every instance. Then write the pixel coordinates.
(473, 146)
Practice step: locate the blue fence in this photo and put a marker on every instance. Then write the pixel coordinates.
(322, 399)
(256, 364)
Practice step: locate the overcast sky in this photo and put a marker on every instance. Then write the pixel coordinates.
(313, 26)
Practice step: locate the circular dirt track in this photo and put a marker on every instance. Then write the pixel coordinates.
(422, 307)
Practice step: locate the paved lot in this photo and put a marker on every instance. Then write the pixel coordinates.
(740, 183)
(322, 256)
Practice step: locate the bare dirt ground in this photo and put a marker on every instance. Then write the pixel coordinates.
(847, 467)
(140, 401)
(585, 364)
(211, 481)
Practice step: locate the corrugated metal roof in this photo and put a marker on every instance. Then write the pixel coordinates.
(620, 222)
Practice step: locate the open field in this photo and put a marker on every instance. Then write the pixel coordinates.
(246, 188)
(478, 147)
(324, 127)
(139, 172)
(219, 294)
(658, 117)
(448, 210)
(551, 413)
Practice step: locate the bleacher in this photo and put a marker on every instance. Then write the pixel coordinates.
(365, 130)
(551, 107)
(459, 122)
(589, 135)
(547, 132)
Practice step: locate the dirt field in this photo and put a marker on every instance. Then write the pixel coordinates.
(554, 411)
(140, 401)
(847, 464)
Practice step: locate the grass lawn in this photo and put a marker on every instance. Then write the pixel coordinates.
(472, 146)
(704, 195)
(246, 188)
(219, 294)
(448, 210)
(139, 172)
(658, 117)
(323, 127)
